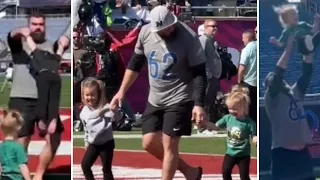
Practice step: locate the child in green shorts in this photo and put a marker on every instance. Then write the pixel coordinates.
(307, 36)
(13, 157)
(241, 129)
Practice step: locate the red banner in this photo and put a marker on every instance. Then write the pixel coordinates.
(230, 35)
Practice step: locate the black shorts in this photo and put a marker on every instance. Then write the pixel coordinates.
(291, 165)
(28, 109)
(173, 120)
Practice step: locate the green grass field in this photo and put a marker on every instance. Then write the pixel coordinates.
(65, 100)
(187, 145)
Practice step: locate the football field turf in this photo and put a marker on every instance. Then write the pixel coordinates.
(65, 100)
(131, 162)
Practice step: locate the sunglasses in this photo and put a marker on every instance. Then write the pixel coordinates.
(214, 26)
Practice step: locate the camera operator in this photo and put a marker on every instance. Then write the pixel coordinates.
(92, 40)
(213, 66)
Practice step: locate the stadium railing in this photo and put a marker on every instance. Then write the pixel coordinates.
(313, 6)
(23, 16)
(222, 12)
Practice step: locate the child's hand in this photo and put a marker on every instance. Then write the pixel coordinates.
(25, 32)
(63, 42)
(255, 140)
(273, 40)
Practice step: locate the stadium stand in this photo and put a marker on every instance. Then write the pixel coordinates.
(269, 54)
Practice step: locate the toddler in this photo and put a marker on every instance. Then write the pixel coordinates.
(307, 35)
(13, 157)
(241, 129)
(97, 120)
(44, 67)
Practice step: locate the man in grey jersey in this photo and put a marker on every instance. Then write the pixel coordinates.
(290, 130)
(23, 95)
(177, 78)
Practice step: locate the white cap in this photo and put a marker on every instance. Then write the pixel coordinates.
(153, 2)
(201, 30)
(161, 17)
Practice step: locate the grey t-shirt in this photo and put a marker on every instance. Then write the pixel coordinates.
(98, 129)
(23, 84)
(284, 107)
(169, 63)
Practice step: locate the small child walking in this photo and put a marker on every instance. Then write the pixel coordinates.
(44, 67)
(97, 119)
(8, 78)
(13, 157)
(241, 129)
(307, 36)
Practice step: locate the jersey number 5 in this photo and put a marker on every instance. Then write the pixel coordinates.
(167, 59)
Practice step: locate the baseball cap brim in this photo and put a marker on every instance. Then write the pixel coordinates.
(154, 29)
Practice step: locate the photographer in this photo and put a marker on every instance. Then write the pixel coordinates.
(91, 40)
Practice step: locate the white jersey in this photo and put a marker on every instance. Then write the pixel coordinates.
(9, 73)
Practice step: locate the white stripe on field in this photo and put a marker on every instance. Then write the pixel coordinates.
(146, 173)
(142, 151)
(36, 147)
(135, 136)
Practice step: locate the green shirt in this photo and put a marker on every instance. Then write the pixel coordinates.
(239, 134)
(301, 30)
(12, 155)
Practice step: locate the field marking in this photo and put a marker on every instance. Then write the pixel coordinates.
(135, 136)
(35, 148)
(142, 151)
(142, 173)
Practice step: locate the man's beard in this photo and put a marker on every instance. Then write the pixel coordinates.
(38, 37)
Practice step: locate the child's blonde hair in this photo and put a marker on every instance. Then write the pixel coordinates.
(239, 95)
(283, 10)
(99, 85)
(11, 122)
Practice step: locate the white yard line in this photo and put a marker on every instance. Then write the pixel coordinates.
(142, 173)
(36, 147)
(142, 151)
(135, 136)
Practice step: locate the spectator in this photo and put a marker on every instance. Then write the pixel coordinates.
(8, 78)
(98, 6)
(213, 66)
(125, 12)
(247, 72)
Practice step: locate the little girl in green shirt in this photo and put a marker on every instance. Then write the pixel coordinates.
(13, 157)
(241, 130)
(307, 36)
